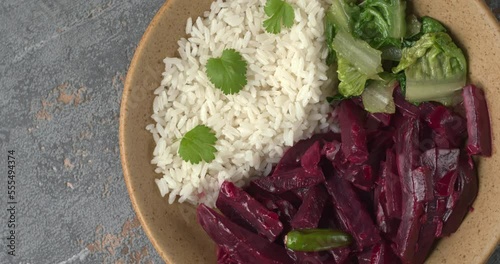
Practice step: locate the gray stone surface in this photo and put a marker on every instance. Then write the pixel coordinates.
(62, 66)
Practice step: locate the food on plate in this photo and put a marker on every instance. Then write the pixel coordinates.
(323, 131)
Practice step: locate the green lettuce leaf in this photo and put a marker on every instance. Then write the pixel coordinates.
(342, 15)
(434, 66)
(352, 81)
(382, 22)
(377, 96)
(358, 53)
(431, 25)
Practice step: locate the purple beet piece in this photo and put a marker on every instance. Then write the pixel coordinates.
(448, 125)
(478, 121)
(322, 257)
(406, 146)
(408, 159)
(266, 199)
(426, 108)
(341, 255)
(361, 176)
(353, 133)
(379, 142)
(352, 213)
(404, 107)
(223, 257)
(422, 184)
(387, 224)
(310, 211)
(311, 158)
(383, 118)
(286, 180)
(392, 186)
(286, 211)
(331, 150)
(443, 164)
(460, 202)
(406, 240)
(292, 157)
(380, 214)
(243, 245)
(234, 201)
(434, 212)
(381, 253)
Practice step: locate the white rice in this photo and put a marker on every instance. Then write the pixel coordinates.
(284, 101)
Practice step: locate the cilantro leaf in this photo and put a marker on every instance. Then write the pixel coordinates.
(197, 145)
(278, 12)
(228, 72)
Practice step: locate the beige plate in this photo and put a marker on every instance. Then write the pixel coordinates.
(173, 229)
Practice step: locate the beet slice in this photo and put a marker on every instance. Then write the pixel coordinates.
(361, 176)
(322, 257)
(353, 133)
(310, 211)
(478, 121)
(311, 158)
(392, 186)
(383, 118)
(292, 157)
(403, 106)
(234, 201)
(422, 184)
(243, 245)
(352, 212)
(286, 180)
(448, 125)
(408, 159)
(224, 257)
(443, 164)
(381, 253)
(341, 255)
(460, 202)
(387, 224)
(428, 232)
(331, 150)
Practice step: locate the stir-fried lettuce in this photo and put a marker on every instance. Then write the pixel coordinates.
(435, 68)
(382, 22)
(352, 81)
(365, 58)
(364, 37)
(413, 26)
(357, 62)
(343, 14)
(378, 96)
(431, 25)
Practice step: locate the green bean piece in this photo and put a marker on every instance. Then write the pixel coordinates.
(312, 240)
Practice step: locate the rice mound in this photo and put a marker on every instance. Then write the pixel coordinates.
(283, 102)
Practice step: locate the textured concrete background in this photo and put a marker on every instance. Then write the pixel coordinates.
(62, 66)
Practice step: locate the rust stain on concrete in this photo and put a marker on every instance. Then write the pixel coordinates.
(119, 245)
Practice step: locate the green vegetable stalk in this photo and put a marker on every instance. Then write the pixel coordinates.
(312, 240)
(342, 14)
(357, 52)
(377, 97)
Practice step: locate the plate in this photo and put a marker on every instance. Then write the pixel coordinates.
(173, 229)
